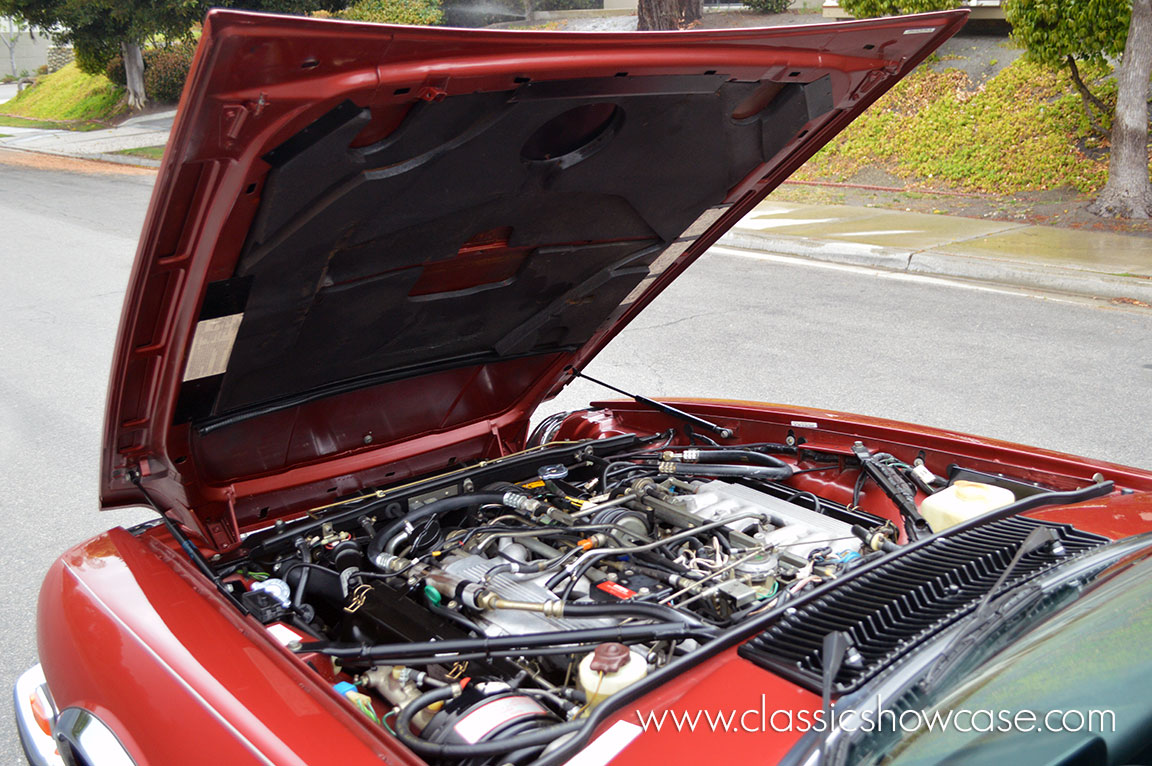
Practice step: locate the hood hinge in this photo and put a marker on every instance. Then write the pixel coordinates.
(496, 435)
(223, 530)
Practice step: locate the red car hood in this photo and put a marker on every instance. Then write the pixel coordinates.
(372, 251)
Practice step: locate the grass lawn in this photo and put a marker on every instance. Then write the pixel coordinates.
(23, 122)
(69, 98)
(1023, 130)
(148, 152)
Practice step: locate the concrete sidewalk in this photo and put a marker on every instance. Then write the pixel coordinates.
(1089, 263)
(136, 133)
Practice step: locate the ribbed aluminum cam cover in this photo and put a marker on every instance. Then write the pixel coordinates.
(797, 531)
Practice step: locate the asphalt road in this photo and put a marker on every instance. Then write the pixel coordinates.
(1069, 375)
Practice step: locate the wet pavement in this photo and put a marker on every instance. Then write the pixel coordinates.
(1089, 251)
(1091, 263)
(883, 228)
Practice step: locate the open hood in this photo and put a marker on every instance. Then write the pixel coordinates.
(372, 251)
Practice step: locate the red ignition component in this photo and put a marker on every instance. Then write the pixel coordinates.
(616, 589)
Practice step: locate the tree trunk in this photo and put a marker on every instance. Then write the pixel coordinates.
(1128, 193)
(1087, 98)
(134, 74)
(658, 14)
(691, 10)
(9, 39)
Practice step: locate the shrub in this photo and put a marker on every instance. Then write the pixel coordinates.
(866, 9)
(1022, 130)
(767, 6)
(417, 12)
(165, 70)
(115, 71)
(94, 59)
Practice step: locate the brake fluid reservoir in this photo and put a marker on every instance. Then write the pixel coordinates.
(608, 669)
(963, 500)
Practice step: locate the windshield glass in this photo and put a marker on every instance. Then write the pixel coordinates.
(1082, 677)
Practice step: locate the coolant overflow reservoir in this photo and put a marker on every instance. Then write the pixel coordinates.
(963, 500)
(608, 669)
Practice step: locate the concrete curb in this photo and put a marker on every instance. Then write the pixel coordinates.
(928, 262)
(27, 142)
(115, 159)
(1041, 277)
(164, 114)
(123, 159)
(851, 253)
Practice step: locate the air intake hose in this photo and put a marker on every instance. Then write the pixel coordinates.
(725, 462)
(511, 499)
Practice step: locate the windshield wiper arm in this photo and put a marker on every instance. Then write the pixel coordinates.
(1036, 539)
(838, 649)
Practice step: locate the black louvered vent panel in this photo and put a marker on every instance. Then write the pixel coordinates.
(889, 609)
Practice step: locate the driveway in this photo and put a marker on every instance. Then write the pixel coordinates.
(7, 92)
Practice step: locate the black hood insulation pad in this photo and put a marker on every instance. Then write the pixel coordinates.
(359, 260)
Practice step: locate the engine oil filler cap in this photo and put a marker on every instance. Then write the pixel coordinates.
(610, 657)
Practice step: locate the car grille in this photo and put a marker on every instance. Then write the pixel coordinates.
(889, 609)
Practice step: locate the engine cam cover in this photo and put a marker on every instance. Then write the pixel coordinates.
(798, 531)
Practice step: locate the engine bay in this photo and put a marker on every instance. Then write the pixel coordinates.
(480, 615)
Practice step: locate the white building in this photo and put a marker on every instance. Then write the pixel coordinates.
(30, 51)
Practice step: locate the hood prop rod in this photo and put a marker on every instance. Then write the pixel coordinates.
(708, 425)
(186, 544)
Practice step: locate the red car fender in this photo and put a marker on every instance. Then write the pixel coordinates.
(724, 710)
(130, 632)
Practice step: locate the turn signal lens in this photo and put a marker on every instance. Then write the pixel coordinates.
(40, 711)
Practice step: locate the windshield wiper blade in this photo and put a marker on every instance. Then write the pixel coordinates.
(1036, 539)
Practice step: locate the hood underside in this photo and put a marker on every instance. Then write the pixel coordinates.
(372, 251)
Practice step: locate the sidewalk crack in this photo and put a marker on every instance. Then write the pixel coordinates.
(936, 248)
(1013, 227)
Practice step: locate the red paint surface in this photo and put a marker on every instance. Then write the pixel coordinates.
(724, 685)
(129, 632)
